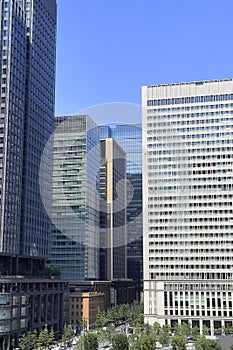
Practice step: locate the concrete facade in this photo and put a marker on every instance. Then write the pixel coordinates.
(187, 197)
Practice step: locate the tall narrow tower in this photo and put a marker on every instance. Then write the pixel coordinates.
(113, 259)
(129, 137)
(27, 84)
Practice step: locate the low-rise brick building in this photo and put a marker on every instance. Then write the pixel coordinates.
(84, 306)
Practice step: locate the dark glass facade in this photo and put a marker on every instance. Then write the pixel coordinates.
(113, 261)
(129, 137)
(27, 72)
(27, 91)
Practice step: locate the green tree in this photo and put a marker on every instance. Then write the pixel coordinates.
(135, 315)
(90, 342)
(138, 329)
(45, 337)
(126, 313)
(83, 325)
(178, 342)
(120, 342)
(34, 337)
(80, 344)
(51, 335)
(145, 342)
(148, 329)
(183, 329)
(100, 319)
(218, 331)
(228, 330)
(195, 332)
(231, 347)
(156, 329)
(164, 338)
(24, 342)
(102, 335)
(206, 344)
(205, 330)
(67, 333)
(28, 341)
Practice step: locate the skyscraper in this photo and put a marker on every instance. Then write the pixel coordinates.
(28, 43)
(113, 260)
(129, 137)
(27, 84)
(75, 209)
(187, 194)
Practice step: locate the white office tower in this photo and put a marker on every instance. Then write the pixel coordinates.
(188, 213)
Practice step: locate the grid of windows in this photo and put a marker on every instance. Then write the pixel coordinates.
(28, 42)
(192, 99)
(75, 209)
(188, 201)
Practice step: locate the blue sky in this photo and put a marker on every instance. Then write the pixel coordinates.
(108, 49)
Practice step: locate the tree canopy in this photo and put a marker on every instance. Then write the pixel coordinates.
(178, 342)
(132, 314)
(120, 342)
(145, 342)
(206, 344)
(91, 342)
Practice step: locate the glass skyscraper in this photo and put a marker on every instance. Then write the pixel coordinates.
(27, 88)
(113, 260)
(187, 194)
(129, 137)
(27, 84)
(75, 208)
